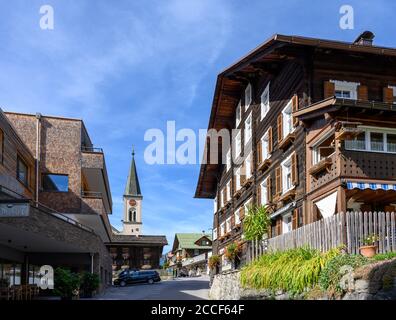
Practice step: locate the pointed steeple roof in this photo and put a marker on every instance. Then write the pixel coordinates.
(132, 187)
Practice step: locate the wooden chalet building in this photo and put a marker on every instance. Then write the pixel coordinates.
(318, 134)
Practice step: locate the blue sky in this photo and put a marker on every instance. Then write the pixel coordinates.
(128, 66)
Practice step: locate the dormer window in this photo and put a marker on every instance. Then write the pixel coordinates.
(248, 96)
(265, 105)
(345, 89)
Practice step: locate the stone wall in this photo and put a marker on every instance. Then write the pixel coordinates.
(375, 281)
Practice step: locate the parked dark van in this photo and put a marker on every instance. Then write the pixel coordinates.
(130, 277)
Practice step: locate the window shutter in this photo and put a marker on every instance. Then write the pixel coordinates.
(232, 220)
(241, 213)
(234, 185)
(269, 187)
(259, 195)
(225, 195)
(362, 92)
(279, 226)
(259, 153)
(243, 173)
(251, 164)
(280, 128)
(270, 140)
(295, 108)
(329, 89)
(388, 95)
(278, 180)
(295, 219)
(294, 169)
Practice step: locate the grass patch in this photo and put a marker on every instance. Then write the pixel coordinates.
(293, 270)
(384, 256)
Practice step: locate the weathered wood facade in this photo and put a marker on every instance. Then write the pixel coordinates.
(309, 156)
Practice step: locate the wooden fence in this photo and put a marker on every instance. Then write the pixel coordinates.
(348, 228)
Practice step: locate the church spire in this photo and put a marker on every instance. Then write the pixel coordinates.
(132, 187)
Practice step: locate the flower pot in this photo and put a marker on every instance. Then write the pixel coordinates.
(368, 251)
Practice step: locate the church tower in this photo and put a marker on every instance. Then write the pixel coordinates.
(132, 223)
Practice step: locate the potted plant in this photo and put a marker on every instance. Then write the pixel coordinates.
(214, 262)
(67, 284)
(369, 248)
(89, 284)
(232, 252)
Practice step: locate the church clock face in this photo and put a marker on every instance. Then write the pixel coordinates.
(132, 203)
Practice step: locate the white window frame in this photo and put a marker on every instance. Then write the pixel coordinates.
(265, 102)
(285, 224)
(248, 129)
(246, 205)
(287, 119)
(367, 131)
(238, 144)
(263, 192)
(346, 86)
(238, 114)
(315, 153)
(264, 146)
(214, 234)
(237, 217)
(222, 229)
(228, 186)
(248, 166)
(228, 225)
(223, 201)
(238, 178)
(228, 160)
(248, 96)
(287, 163)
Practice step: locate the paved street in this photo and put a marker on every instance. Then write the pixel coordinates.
(179, 289)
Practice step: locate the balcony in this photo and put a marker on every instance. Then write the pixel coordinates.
(94, 176)
(286, 141)
(195, 260)
(94, 214)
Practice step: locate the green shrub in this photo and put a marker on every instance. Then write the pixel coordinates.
(384, 256)
(330, 276)
(66, 283)
(89, 283)
(293, 270)
(256, 223)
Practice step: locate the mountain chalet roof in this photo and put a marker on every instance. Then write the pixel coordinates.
(188, 240)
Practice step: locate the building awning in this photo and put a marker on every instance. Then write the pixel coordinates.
(327, 205)
(284, 209)
(373, 186)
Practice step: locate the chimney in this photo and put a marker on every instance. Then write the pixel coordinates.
(365, 39)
